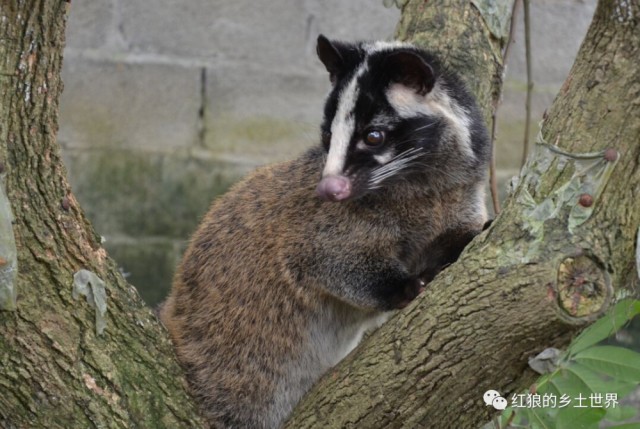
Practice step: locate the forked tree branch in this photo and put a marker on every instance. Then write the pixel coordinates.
(550, 264)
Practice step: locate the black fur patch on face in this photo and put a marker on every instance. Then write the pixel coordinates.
(417, 147)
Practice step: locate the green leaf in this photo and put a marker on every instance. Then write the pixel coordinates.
(620, 413)
(539, 418)
(567, 382)
(601, 370)
(583, 418)
(505, 416)
(599, 382)
(617, 362)
(603, 328)
(576, 380)
(625, 426)
(547, 387)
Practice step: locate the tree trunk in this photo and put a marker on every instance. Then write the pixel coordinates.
(55, 371)
(559, 255)
(458, 33)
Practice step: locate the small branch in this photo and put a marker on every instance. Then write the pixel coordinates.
(202, 112)
(512, 31)
(493, 181)
(527, 41)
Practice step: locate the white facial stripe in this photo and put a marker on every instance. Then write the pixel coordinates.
(381, 45)
(343, 126)
(407, 102)
(410, 104)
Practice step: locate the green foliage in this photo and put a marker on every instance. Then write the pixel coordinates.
(606, 326)
(589, 375)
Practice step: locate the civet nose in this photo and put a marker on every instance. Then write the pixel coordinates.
(334, 188)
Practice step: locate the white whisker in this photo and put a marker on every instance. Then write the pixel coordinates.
(424, 127)
(399, 162)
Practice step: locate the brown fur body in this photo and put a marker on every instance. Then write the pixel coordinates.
(277, 286)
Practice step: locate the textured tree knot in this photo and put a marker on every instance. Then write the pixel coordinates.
(584, 288)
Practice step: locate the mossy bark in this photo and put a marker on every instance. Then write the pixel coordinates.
(55, 371)
(458, 33)
(531, 281)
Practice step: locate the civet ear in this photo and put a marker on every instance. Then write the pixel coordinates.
(411, 70)
(330, 57)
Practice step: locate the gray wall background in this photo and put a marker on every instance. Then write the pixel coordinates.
(168, 103)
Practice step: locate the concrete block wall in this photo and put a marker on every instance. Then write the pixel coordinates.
(168, 103)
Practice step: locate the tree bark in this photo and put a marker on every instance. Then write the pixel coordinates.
(558, 256)
(456, 31)
(55, 371)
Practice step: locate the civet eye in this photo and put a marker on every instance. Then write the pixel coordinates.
(374, 138)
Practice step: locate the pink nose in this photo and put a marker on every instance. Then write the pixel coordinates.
(334, 188)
